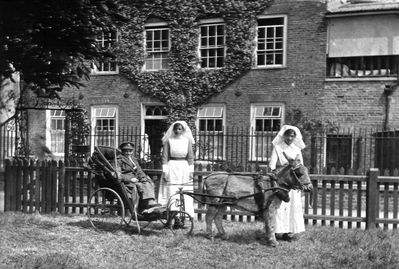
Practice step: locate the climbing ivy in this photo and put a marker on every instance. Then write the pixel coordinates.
(185, 86)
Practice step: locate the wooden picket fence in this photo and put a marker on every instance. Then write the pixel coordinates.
(346, 201)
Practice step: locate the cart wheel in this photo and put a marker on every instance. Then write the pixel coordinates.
(181, 223)
(106, 210)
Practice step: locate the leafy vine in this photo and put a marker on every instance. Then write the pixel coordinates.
(184, 86)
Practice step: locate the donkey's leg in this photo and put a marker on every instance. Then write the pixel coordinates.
(269, 217)
(219, 222)
(209, 218)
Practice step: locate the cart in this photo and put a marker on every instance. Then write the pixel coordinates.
(110, 207)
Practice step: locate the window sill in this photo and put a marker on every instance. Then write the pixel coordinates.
(269, 67)
(104, 73)
(327, 79)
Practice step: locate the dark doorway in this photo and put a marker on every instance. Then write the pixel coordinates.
(339, 152)
(155, 129)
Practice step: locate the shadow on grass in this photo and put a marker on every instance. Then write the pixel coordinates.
(146, 229)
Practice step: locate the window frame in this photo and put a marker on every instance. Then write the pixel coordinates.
(207, 133)
(95, 70)
(156, 27)
(268, 135)
(49, 118)
(94, 121)
(208, 23)
(284, 46)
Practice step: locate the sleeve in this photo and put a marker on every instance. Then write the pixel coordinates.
(126, 174)
(165, 157)
(273, 159)
(139, 172)
(190, 156)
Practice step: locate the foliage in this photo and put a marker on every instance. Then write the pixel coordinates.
(185, 86)
(80, 126)
(51, 41)
(45, 241)
(309, 125)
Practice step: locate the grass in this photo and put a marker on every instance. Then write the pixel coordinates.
(53, 241)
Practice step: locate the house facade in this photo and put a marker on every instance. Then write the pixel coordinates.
(331, 61)
(361, 82)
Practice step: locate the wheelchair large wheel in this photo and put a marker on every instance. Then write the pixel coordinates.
(180, 222)
(106, 210)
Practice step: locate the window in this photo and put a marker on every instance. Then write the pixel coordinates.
(105, 41)
(210, 141)
(266, 122)
(56, 129)
(157, 47)
(363, 66)
(104, 126)
(212, 47)
(271, 42)
(339, 152)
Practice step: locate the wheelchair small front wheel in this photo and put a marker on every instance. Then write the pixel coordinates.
(180, 222)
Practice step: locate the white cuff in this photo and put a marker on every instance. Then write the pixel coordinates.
(165, 168)
(191, 168)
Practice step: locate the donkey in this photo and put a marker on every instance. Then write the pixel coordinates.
(259, 194)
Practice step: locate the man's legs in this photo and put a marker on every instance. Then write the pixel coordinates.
(147, 194)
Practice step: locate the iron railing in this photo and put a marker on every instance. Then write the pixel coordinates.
(351, 151)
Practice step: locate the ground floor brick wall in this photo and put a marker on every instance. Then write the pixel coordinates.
(359, 103)
(114, 90)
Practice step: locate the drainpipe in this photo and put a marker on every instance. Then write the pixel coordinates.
(388, 91)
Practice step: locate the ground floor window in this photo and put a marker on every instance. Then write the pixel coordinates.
(56, 131)
(266, 120)
(104, 126)
(210, 135)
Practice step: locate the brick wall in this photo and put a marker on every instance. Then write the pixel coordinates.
(300, 83)
(112, 90)
(358, 103)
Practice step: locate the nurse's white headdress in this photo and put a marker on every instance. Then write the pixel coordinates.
(279, 139)
(186, 133)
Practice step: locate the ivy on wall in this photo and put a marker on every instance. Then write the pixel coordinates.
(185, 86)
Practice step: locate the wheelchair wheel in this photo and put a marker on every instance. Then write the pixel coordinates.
(106, 210)
(181, 223)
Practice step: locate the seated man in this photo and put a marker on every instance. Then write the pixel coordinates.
(131, 174)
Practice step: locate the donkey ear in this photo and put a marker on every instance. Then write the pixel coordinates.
(285, 155)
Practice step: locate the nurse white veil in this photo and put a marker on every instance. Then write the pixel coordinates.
(279, 139)
(187, 132)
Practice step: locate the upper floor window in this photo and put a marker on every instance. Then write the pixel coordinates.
(105, 41)
(363, 66)
(212, 47)
(157, 47)
(271, 38)
(210, 140)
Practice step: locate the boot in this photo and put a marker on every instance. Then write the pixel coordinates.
(149, 203)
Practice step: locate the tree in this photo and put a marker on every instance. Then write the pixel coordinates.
(51, 43)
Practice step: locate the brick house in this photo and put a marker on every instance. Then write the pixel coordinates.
(303, 61)
(361, 81)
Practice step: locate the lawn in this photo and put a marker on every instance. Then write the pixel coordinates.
(53, 241)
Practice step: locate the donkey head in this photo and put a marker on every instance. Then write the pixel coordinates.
(294, 176)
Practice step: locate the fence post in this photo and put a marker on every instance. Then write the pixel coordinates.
(372, 198)
(61, 187)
